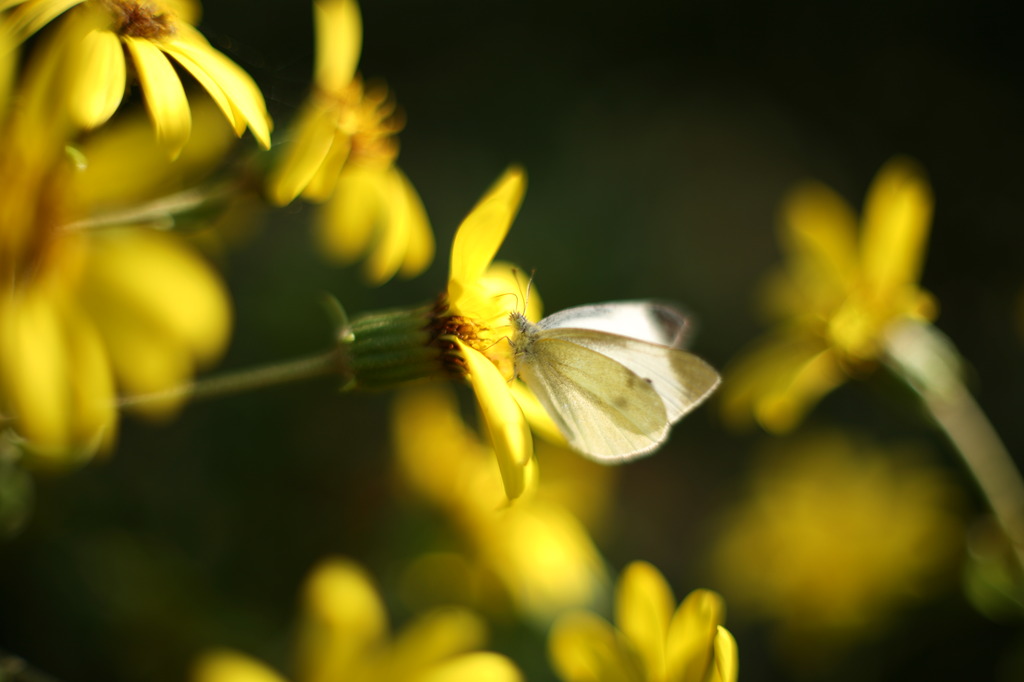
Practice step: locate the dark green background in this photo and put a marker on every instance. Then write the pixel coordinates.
(659, 139)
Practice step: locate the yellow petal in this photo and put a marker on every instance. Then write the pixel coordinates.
(538, 418)
(339, 40)
(224, 665)
(691, 636)
(510, 435)
(165, 96)
(93, 394)
(343, 619)
(34, 369)
(348, 225)
(393, 236)
(643, 608)
(419, 252)
(433, 637)
(156, 277)
(819, 231)
(224, 80)
(98, 87)
(482, 232)
(727, 657)
(897, 220)
(473, 667)
(32, 16)
(778, 381)
(584, 648)
(303, 156)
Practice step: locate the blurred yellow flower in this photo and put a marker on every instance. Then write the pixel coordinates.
(837, 297)
(654, 641)
(93, 39)
(537, 550)
(834, 535)
(344, 152)
(89, 312)
(344, 636)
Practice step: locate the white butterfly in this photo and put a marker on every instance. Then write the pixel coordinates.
(612, 375)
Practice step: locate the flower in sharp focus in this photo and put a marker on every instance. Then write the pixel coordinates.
(834, 536)
(837, 297)
(344, 635)
(90, 312)
(343, 153)
(653, 640)
(92, 43)
(481, 294)
(536, 552)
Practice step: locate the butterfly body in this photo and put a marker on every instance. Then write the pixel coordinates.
(612, 376)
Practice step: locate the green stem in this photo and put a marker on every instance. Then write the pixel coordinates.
(242, 381)
(930, 364)
(159, 212)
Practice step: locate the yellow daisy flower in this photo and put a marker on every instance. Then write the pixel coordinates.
(96, 35)
(838, 297)
(654, 640)
(344, 636)
(535, 553)
(86, 314)
(480, 297)
(344, 152)
(833, 536)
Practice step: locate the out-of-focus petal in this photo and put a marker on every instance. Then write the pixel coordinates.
(224, 665)
(350, 221)
(727, 657)
(343, 619)
(93, 394)
(158, 278)
(34, 370)
(775, 382)
(32, 16)
(643, 609)
(482, 232)
(475, 667)
(433, 637)
(339, 40)
(819, 230)
(585, 648)
(165, 97)
(303, 156)
(98, 86)
(419, 252)
(897, 221)
(691, 636)
(510, 435)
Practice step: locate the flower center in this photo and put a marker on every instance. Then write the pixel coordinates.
(368, 117)
(141, 19)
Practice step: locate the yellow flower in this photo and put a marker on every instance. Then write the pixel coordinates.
(86, 313)
(344, 152)
(92, 42)
(833, 536)
(654, 641)
(537, 550)
(344, 636)
(481, 294)
(838, 296)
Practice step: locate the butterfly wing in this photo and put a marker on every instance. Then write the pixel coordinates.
(604, 410)
(645, 320)
(681, 379)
